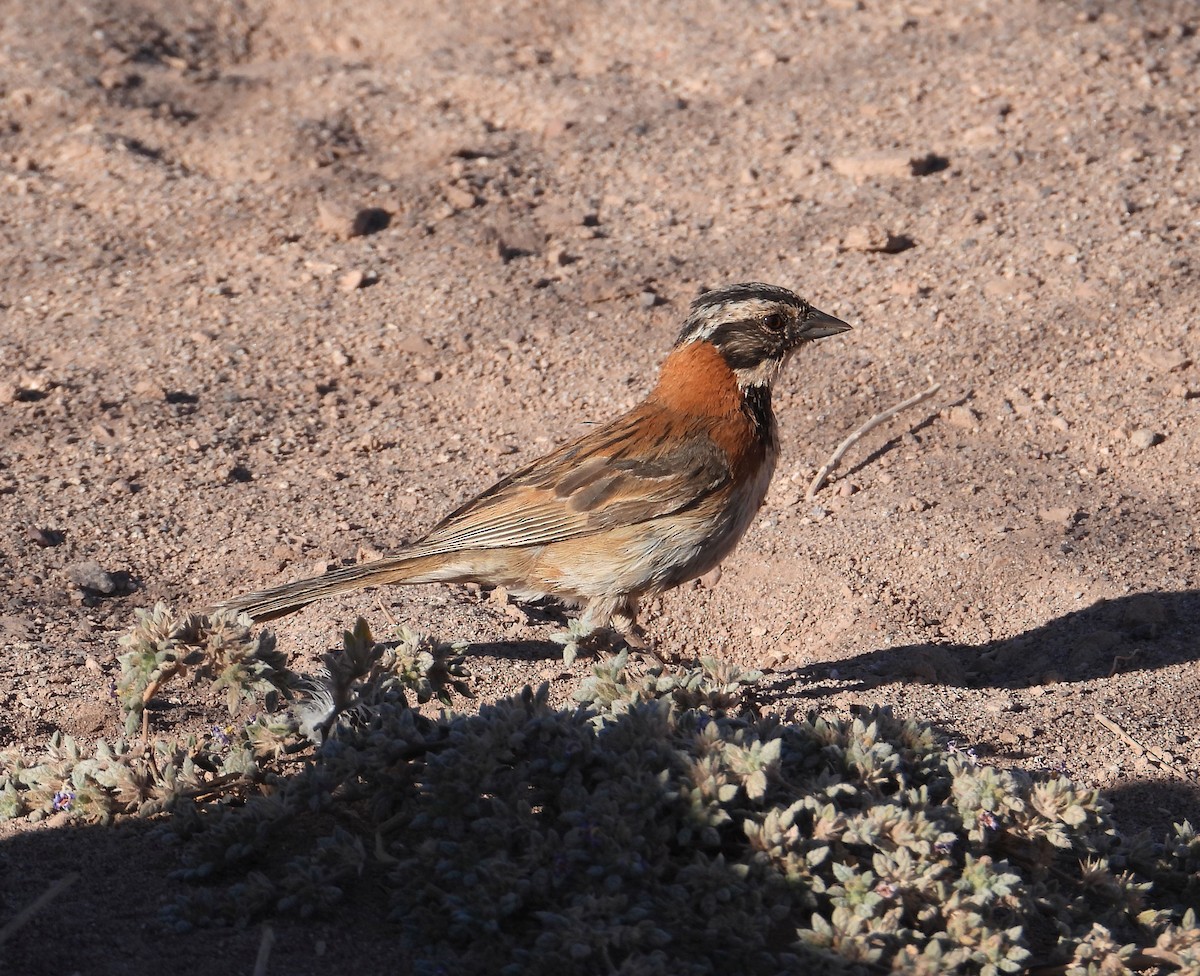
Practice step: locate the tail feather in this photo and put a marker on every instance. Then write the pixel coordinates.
(279, 601)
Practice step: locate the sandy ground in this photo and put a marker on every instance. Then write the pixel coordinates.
(283, 282)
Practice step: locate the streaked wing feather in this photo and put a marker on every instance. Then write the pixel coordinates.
(558, 498)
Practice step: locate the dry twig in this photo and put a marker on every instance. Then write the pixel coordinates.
(1144, 959)
(854, 438)
(1153, 752)
(265, 944)
(42, 900)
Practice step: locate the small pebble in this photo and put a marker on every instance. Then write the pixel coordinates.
(458, 198)
(1165, 360)
(873, 165)
(46, 538)
(1143, 438)
(351, 280)
(1001, 703)
(344, 221)
(92, 577)
(875, 238)
(963, 417)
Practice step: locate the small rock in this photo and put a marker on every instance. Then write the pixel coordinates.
(874, 238)
(711, 578)
(344, 220)
(1000, 287)
(1143, 438)
(796, 166)
(888, 165)
(864, 167)
(1058, 249)
(416, 344)
(351, 281)
(46, 538)
(27, 389)
(765, 58)
(1063, 516)
(558, 256)
(14, 628)
(427, 375)
(335, 218)
(458, 198)
(516, 240)
(284, 554)
(1164, 360)
(648, 299)
(92, 577)
(103, 434)
(116, 77)
(1000, 703)
(962, 416)
(981, 135)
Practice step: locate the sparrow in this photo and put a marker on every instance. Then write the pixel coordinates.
(648, 501)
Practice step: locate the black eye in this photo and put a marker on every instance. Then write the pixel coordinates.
(773, 322)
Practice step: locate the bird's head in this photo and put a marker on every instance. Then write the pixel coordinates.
(756, 328)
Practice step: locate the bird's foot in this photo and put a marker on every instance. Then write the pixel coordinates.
(584, 637)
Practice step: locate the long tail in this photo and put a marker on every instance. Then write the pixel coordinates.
(279, 601)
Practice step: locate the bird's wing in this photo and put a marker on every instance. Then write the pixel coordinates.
(588, 486)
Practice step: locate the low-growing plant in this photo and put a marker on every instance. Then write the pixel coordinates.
(663, 824)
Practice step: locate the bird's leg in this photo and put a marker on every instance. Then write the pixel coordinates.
(607, 624)
(624, 622)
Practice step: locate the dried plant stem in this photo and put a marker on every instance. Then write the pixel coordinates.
(854, 438)
(1155, 754)
(42, 900)
(151, 690)
(1142, 959)
(265, 944)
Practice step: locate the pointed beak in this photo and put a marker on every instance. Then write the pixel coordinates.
(818, 325)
